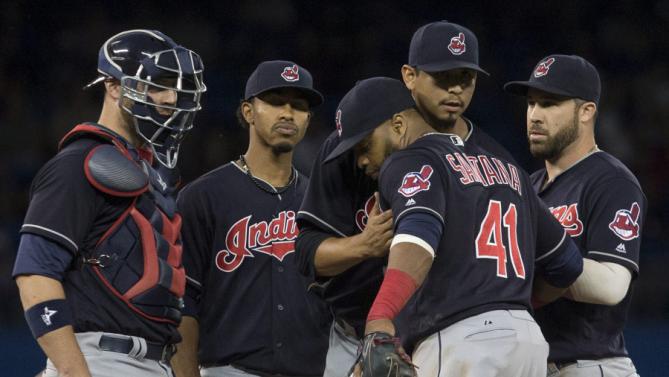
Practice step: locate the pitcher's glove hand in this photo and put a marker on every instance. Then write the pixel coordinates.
(382, 356)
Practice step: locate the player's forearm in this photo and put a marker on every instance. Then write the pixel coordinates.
(408, 266)
(600, 283)
(59, 345)
(544, 293)
(185, 362)
(336, 255)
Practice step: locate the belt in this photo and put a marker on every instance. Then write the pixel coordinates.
(154, 351)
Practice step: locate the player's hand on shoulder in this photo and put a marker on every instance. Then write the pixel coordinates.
(378, 232)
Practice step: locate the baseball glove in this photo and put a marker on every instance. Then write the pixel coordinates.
(382, 356)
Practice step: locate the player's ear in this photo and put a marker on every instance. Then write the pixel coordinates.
(409, 75)
(587, 112)
(247, 112)
(113, 89)
(398, 124)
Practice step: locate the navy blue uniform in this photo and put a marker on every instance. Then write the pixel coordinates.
(495, 228)
(337, 202)
(72, 215)
(601, 205)
(252, 304)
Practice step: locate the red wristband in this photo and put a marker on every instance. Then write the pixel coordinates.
(395, 291)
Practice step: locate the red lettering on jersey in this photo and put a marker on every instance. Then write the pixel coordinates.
(515, 179)
(490, 173)
(502, 171)
(276, 239)
(457, 166)
(362, 214)
(567, 215)
(473, 162)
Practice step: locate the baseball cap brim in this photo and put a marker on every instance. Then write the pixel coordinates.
(447, 66)
(312, 96)
(520, 88)
(347, 144)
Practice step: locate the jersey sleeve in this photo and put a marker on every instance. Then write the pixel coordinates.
(411, 184)
(63, 204)
(40, 256)
(328, 201)
(196, 237)
(550, 234)
(557, 257)
(616, 212)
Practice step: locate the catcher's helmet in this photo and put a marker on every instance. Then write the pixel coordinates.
(145, 61)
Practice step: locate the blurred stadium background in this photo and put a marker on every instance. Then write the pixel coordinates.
(48, 53)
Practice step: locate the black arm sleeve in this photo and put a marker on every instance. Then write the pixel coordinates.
(308, 241)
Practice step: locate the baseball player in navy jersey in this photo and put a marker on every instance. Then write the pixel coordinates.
(99, 262)
(468, 231)
(601, 205)
(247, 309)
(342, 240)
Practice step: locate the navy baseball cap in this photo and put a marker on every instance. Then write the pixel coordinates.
(565, 75)
(370, 103)
(276, 74)
(442, 46)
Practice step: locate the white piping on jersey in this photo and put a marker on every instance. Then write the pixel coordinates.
(53, 232)
(409, 238)
(470, 130)
(297, 175)
(592, 151)
(564, 235)
(614, 256)
(419, 207)
(322, 222)
(470, 125)
(194, 281)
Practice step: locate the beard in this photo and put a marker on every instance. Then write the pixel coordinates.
(441, 125)
(553, 146)
(282, 147)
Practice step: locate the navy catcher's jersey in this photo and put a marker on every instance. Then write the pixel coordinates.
(601, 205)
(66, 209)
(495, 227)
(338, 200)
(251, 303)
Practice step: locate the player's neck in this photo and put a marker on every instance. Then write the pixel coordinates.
(570, 156)
(111, 117)
(273, 168)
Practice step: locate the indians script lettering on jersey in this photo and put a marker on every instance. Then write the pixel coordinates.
(567, 215)
(276, 239)
(484, 170)
(362, 214)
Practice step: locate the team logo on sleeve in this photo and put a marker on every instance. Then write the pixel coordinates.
(567, 215)
(457, 45)
(291, 74)
(625, 224)
(276, 239)
(544, 67)
(362, 214)
(415, 182)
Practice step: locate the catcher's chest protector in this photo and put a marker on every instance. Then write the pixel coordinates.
(139, 257)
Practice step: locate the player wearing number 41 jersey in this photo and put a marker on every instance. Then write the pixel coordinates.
(469, 231)
(600, 204)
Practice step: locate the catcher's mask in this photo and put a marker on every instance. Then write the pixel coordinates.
(145, 62)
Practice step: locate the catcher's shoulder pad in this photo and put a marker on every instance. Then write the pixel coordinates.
(111, 171)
